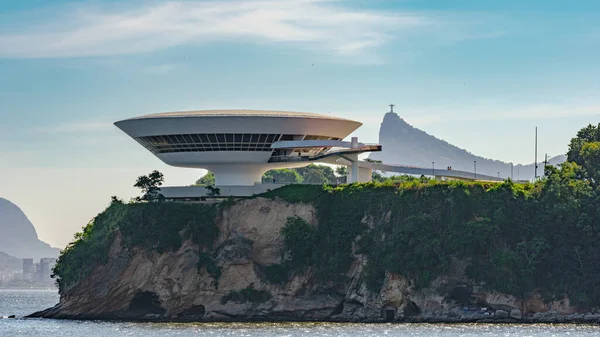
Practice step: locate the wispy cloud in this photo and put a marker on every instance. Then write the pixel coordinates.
(75, 127)
(162, 68)
(546, 111)
(592, 36)
(499, 112)
(327, 25)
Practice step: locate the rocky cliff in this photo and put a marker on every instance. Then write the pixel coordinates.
(18, 236)
(405, 144)
(142, 284)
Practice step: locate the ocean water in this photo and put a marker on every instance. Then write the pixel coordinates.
(23, 302)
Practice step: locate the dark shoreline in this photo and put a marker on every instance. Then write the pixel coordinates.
(563, 319)
(29, 288)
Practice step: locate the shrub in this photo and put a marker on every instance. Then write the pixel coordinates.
(277, 273)
(297, 236)
(206, 261)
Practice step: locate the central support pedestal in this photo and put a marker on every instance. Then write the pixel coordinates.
(237, 175)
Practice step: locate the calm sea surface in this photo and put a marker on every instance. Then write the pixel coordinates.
(23, 302)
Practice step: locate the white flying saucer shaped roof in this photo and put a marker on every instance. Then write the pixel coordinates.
(238, 121)
(239, 113)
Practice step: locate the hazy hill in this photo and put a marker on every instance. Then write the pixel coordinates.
(18, 236)
(407, 145)
(9, 263)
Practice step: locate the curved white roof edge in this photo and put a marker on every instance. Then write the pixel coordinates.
(239, 113)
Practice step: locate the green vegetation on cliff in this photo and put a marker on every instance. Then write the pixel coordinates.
(515, 238)
(152, 226)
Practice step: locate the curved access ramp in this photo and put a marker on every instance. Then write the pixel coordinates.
(335, 149)
(344, 153)
(414, 170)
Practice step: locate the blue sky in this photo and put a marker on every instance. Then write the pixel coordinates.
(479, 74)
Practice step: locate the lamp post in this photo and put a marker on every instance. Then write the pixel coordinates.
(475, 169)
(433, 169)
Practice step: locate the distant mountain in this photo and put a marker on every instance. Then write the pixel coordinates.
(407, 145)
(9, 263)
(18, 236)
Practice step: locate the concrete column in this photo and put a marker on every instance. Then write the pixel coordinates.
(237, 175)
(349, 174)
(365, 174)
(355, 171)
(354, 142)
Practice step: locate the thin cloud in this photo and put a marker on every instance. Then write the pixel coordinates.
(75, 127)
(160, 69)
(317, 24)
(549, 111)
(483, 113)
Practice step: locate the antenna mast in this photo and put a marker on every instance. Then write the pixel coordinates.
(535, 163)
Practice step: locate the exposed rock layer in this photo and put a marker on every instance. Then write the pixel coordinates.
(141, 285)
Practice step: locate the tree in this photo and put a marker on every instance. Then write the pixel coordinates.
(207, 180)
(316, 177)
(590, 153)
(317, 174)
(588, 134)
(150, 185)
(285, 175)
(212, 191)
(341, 171)
(115, 200)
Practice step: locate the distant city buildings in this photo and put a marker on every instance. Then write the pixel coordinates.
(32, 275)
(28, 270)
(39, 273)
(46, 265)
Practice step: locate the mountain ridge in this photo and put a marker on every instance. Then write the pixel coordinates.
(9, 263)
(404, 144)
(18, 236)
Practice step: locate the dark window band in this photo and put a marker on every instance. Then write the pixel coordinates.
(208, 142)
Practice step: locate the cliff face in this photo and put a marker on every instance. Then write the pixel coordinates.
(18, 236)
(145, 285)
(405, 144)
